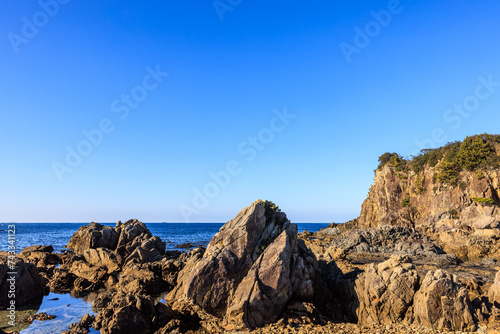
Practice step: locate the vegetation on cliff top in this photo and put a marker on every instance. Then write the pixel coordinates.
(474, 153)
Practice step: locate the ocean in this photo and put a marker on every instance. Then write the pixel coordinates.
(174, 234)
(69, 309)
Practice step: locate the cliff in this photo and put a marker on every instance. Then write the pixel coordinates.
(449, 194)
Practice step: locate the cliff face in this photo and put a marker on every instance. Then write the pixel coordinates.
(463, 217)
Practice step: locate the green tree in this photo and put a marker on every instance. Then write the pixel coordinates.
(448, 172)
(473, 153)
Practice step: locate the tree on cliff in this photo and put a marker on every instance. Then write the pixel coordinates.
(474, 152)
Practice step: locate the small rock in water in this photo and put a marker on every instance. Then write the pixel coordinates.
(41, 317)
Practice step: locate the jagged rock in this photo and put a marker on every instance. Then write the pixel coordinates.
(37, 248)
(442, 303)
(269, 284)
(40, 317)
(149, 250)
(385, 291)
(93, 235)
(447, 214)
(101, 301)
(28, 285)
(250, 269)
(494, 293)
(103, 257)
(103, 252)
(149, 278)
(81, 327)
(387, 239)
(126, 314)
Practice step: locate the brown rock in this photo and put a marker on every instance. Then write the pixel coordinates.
(126, 314)
(93, 235)
(81, 327)
(28, 285)
(250, 269)
(37, 248)
(385, 291)
(103, 257)
(41, 317)
(442, 303)
(494, 293)
(267, 287)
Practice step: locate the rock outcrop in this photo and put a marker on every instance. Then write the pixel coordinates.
(104, 256)
(385, 291)
(127, 314)
(454, 203)
(81, 327)
(442, 303)
(27, 284)
(250, 270)
(494, 293)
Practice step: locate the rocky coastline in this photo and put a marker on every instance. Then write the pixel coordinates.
(259, 275)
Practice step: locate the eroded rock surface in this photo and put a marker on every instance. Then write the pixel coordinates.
(27, 282)
(442, 303)
(250, 269)
(385, 291)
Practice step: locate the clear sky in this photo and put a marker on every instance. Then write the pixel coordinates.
(191, 110)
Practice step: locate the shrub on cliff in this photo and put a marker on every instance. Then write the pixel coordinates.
(392, 159)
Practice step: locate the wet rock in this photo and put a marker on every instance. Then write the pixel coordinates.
(41, 317)
(29, 285)
(385, 291)
(82, 327)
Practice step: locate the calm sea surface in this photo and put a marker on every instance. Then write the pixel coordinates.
(58, 234)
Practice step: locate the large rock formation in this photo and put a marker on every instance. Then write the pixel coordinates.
(26, 285)
(385, 291)
(450, 201)
(250, 269)
(127, 254)
(442, 303)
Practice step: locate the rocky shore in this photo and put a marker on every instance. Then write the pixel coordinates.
(259, 275)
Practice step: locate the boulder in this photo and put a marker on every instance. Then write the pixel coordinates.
(130, 239)
(269, 284)
(494, 294)
(103, 257)
(149, 278)
(385, 291)
(81, 327)
(37, 248)
(40, 317)
(93, 235)
(126, 314)
(442, 303)
(28, 286)
(250, 269)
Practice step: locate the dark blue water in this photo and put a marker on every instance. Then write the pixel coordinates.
(58, 234)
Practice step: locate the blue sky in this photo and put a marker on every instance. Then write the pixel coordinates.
(195, 110)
